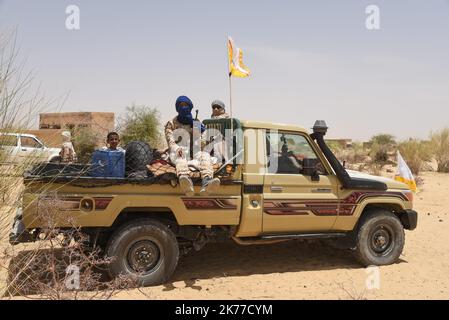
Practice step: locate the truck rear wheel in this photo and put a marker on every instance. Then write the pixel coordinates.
(145, 250)
(380, 238)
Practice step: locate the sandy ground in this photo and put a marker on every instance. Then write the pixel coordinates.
(294, 270)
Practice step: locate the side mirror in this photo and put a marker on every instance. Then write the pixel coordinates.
(309, 168)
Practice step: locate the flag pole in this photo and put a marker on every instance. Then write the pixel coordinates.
(230, 91)
(230, 98)
(230, 112)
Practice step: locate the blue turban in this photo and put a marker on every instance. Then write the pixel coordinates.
(185, 114)
(183, 99)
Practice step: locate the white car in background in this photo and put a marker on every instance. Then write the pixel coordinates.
(16, 148)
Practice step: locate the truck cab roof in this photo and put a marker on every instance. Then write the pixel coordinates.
(19, 134)
(271, 125)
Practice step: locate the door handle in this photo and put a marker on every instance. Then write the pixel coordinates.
(277, 188)
(322, 190)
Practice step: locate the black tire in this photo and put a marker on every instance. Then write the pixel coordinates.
(138, 155)
(158, 256)
(380, 238)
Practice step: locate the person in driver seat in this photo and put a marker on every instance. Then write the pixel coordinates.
(288, 163)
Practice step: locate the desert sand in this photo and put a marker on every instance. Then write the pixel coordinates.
(296, 270)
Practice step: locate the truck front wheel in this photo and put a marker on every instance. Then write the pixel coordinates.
(145, 250)
(380, 238)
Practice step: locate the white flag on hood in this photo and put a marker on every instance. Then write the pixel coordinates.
(404, 174)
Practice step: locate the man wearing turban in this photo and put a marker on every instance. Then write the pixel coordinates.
(179, 132)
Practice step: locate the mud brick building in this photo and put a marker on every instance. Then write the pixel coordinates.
(99, 123)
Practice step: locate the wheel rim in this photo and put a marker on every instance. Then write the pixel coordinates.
(144, 256)
(382, 240)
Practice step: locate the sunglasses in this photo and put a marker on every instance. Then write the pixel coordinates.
(216, 107)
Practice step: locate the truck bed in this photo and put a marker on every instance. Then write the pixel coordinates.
(79, 175)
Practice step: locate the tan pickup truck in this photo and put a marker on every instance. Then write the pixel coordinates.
(279, 183)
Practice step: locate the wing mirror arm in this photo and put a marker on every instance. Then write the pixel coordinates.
(309, 169)
(315, 176)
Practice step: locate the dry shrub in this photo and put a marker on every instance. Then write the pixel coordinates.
(359, 153)
(379, 153)
(382, 145)
(85, 143)
(21, 101)
(62, 264)
(352, 292)
(354, 154)
(375, 168)
(335, 147)
(439, 142)
(47, 268)
(415, 153)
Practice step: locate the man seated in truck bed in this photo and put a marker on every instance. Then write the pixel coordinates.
(182, 126)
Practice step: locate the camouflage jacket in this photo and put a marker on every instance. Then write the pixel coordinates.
(67, 153)
(173, 140)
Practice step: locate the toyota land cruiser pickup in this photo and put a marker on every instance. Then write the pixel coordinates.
(280, 183)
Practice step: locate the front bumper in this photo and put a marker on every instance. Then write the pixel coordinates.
(409, 219)
(18, 233)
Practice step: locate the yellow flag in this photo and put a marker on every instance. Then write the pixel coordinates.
(236, 66)
(404, 174)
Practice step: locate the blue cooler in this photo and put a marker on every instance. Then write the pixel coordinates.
(108, 163)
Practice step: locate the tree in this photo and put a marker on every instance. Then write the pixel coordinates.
(381, 145)
(141, 123)
(384, 139)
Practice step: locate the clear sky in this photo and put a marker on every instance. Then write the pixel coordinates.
(309, 59)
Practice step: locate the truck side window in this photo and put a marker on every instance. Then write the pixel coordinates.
(29, 142)
(286, 152)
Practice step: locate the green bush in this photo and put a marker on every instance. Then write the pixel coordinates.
(439, 142)
(141, 123)
(383, 139)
